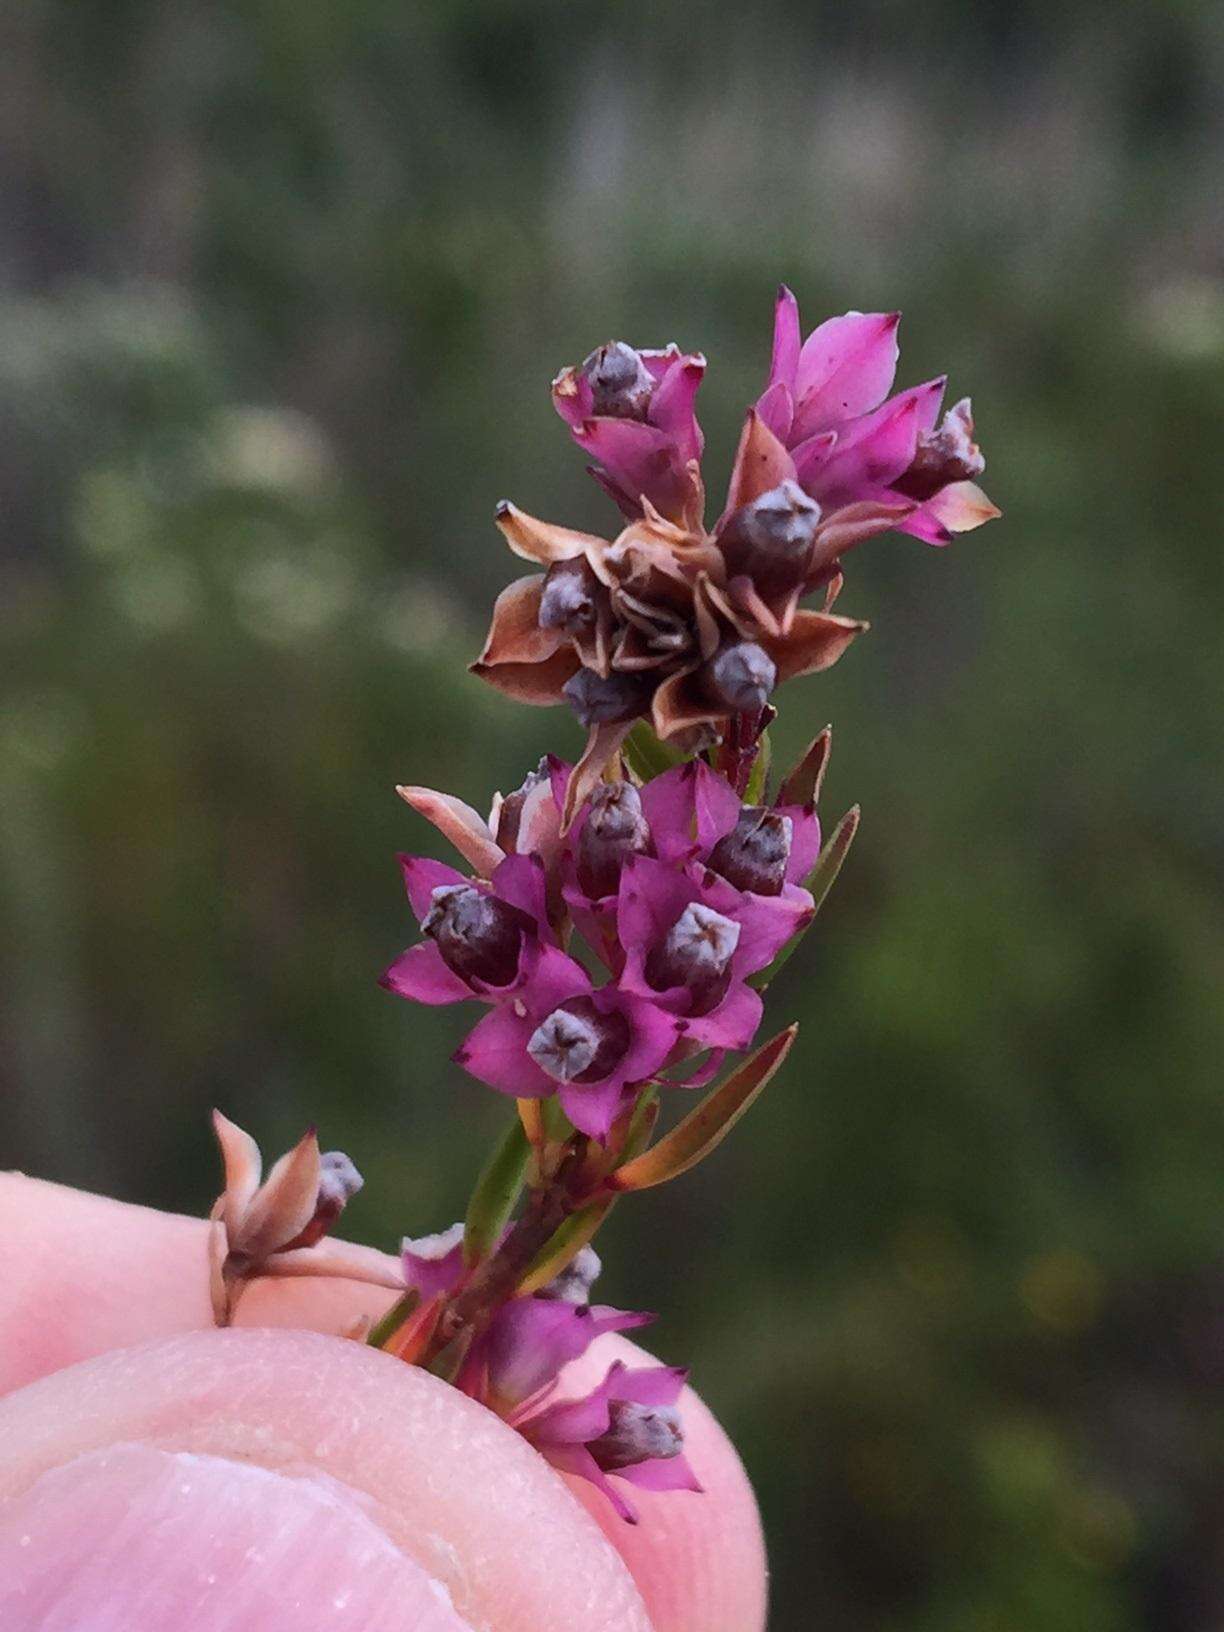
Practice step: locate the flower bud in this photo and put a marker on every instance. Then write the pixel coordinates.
(741, 677)
(510, 811)
(637, 1433)
(753, 856)
(479, 936)
(621, 384)
(614, 830)
(577, 1043)
(696, 952)
(947, 455)
(574, 1283)
(339, 1182)
(771, 539)
(600, 700)
(568, 599)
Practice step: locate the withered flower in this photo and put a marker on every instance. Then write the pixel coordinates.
(669, 622)
(277, 1227)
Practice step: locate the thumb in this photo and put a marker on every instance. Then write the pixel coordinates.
(285, 1481)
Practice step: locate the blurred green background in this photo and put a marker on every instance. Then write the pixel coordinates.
(281, 290)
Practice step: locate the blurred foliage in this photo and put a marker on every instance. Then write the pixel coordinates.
(281, 289)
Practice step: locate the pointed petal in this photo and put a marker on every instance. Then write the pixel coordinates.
(466, 829)
(495, 1052)
(876, 449)
(668, 805)
(514, 634)
(662, 1473)
(285, 1204)
(805, 841)
(520, 881)
(733, 1024)
(802, 785)
(761, 463)
(422, 876)
(243, 1166)
(542, 541)
(957, 508)
(784, 362)
(420, 975)
(845, 367)
(849, 525)
(776, 410)
(593, 1106)
(603, 742)
(672, 406)
(532, 1339)
(679, 706)
(652, 896)
(572, 396)
(651, 1385)
(815, 642)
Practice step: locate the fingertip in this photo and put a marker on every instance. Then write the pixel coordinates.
(134, 1535)
(462, 1496)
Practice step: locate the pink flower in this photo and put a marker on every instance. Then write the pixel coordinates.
(514, 1365)
(827, 403)
(557, 1034)
(483, 939)
(690, 940)
(633, 412)
(628, 1427)
(695, 815)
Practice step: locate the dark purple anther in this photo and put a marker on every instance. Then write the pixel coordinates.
(614, 830)
(479, 936)
(597, 700)
(578, 1043)
(696, 952)
(771, 539)
(753, 856)
(568, 600)
(637, 1433)
(947, 455)
(741, 677)
(621, 384)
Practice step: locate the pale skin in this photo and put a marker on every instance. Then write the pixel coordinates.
(181, 1479)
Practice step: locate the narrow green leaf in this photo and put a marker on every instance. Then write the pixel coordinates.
(497, 1190)
(645, 755)
(448, 1361)
(641, 1124)
(754, 793)
(393, 1319)
(802, 786)
(577, 1231)
(819, 882)
(692, 1140)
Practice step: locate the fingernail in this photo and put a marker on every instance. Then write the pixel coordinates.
(133, 1536)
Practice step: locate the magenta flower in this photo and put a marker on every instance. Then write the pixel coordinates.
(690, 941)
(559, 1035)
(633, 412)
(525, 822)
(609, 827)
(516, 1362)
(695, 815)
(628, 1427)
(482, 939)
(532, 1339)
(827, 403)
